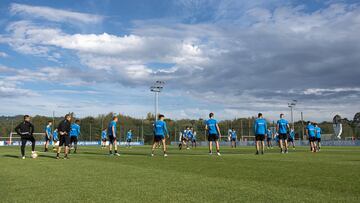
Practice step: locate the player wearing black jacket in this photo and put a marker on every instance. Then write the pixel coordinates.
(64, 135)
(26, 129)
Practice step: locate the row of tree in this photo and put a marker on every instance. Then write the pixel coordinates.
(91, 127)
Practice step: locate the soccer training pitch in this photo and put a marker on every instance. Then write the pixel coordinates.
(332, 175)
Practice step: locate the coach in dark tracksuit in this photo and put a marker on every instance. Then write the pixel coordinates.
(26, 129)
(64, 129)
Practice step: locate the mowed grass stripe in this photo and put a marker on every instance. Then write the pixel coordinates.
(188, 175)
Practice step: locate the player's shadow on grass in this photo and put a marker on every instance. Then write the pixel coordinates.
(47, 156)
(11, 156)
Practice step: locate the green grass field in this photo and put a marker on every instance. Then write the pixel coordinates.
(333, 175)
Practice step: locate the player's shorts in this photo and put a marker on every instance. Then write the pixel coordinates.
(259, 137)
(73, 139)
(183, 139)
(64, 140)
(283, 136)
(104, 139)
(213, 137)
(311, 139)
(112, 139)
(47, 138)
(158, 138)
(128, 140)
(318, 139)
(268, 139)
(233, 139)
(193, 140)
(291, 139)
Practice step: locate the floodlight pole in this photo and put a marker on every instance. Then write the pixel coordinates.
(156, 88)
(291, 105)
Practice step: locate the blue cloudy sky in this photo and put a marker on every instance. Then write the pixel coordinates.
(232, 57)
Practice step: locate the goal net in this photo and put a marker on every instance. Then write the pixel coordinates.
(15, 139)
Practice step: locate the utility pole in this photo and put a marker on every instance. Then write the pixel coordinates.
(53, 121)
(90, 132)
(156, 88)
(302, 125)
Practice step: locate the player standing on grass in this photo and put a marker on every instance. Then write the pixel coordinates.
(48, 136)
(292, 138)
(112, 136)
(26, 129)
(129, 137)
(189, 137)
(103, 138)
(64, 129)
(160, 131)
(269, 138)
(260, 128)
(213, 130)
(55, 140)
(74, 135)
(282, 129)
(310, 132)
(233, 137)
(193, 138)
(318, 136)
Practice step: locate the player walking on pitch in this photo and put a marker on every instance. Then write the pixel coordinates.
(292, 138)
(26, 129)
(103, 138)
(129, 138)
(48, 136)
(74, 135)
(213, 130)
(269, 138)
(233, 138)
(318, 136)
(310, 132)
(282, 129)
(193, 138)
(160, 131)
(64, 129)
(112, 136)
(260, 128)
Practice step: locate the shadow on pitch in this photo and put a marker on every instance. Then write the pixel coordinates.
(11, 156)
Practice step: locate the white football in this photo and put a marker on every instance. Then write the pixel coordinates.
(34, 155)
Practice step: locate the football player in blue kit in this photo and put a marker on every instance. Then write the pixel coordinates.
(282, 130)
(213, 131)
(160, 134)
(260, 128)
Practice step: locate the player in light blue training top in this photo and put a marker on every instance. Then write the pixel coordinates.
(103, 138)
(291, 139)
(310, 132)
(193, 138)
(111, 131)
(260, 128)
(160, 132)
(48, 136)
(74, 135)
(282, 127)
(269, 135)
(233, 137)
(55, 139)
(213, 130)
(129, 137)
(318, 136)
(189, 137)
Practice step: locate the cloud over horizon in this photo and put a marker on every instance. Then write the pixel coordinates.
(212, 59)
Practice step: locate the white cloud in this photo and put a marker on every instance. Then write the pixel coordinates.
(52, 14)
(3, 54)
(280, 54)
